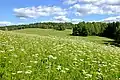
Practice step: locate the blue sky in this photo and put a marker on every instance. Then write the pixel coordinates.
(28, 11)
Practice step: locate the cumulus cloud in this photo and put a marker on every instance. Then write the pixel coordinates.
(65, 19)
(35, 12)
(111, 19)
(110, 2)
(79, 1)
(58, 19)
(61, 18)
(5, 23)
(86, 7)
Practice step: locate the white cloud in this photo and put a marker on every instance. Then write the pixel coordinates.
(79, 1)
(23, 18)
(65, 19)
(112, 2)
(109, 2)
(5, 23)
(87, 1)
(111, 19)
(35, 12)
(86, 7)
(61, 18)
(54, 21)
(70, 1)
(75, 21)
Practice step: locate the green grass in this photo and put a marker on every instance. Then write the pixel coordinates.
(45, 32)
(63, 34)
(30, 56)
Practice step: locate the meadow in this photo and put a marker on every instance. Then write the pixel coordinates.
(39, 54)
(62, 34)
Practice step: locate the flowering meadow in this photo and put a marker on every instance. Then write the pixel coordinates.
(34, 57)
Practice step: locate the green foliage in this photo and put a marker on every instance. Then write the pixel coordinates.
(89, 29)
(60, 27)
(49, 25)
(110, 30)
(117, 35)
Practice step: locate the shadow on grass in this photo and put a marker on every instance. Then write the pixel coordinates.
(70, 34)
(112, 43)
(106, 42)
(75, 35)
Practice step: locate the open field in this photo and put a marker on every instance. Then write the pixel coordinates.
(64, 34)
(38, 54)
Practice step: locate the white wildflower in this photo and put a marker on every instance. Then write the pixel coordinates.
(88, 75)
(84, 72)
(11, 50)
(19, 72)
(28, 66)
(28, 72)
(9, 62)
(82, 60)
(80, 51)
(66, 69)
(22, 63)
(99, 73)
(15, 55)
(54, 57)
(36, 55)
(112, 69)
(22, 49)
(2, 51)
(75, 59)
(31, 61)
(13, 73)
(50, 56)
(113, 65)
(94, 61)
(104, 65)
(33, 55)
(5, 57)
(62, 71)
(59, 68)
(35, 62)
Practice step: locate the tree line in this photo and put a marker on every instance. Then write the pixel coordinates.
(110, 30)
(48, 25)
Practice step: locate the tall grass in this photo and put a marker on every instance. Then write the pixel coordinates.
(33, 57)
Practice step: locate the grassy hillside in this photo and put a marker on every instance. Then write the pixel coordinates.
(64, 34)
(34, 57)
(45, 32)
